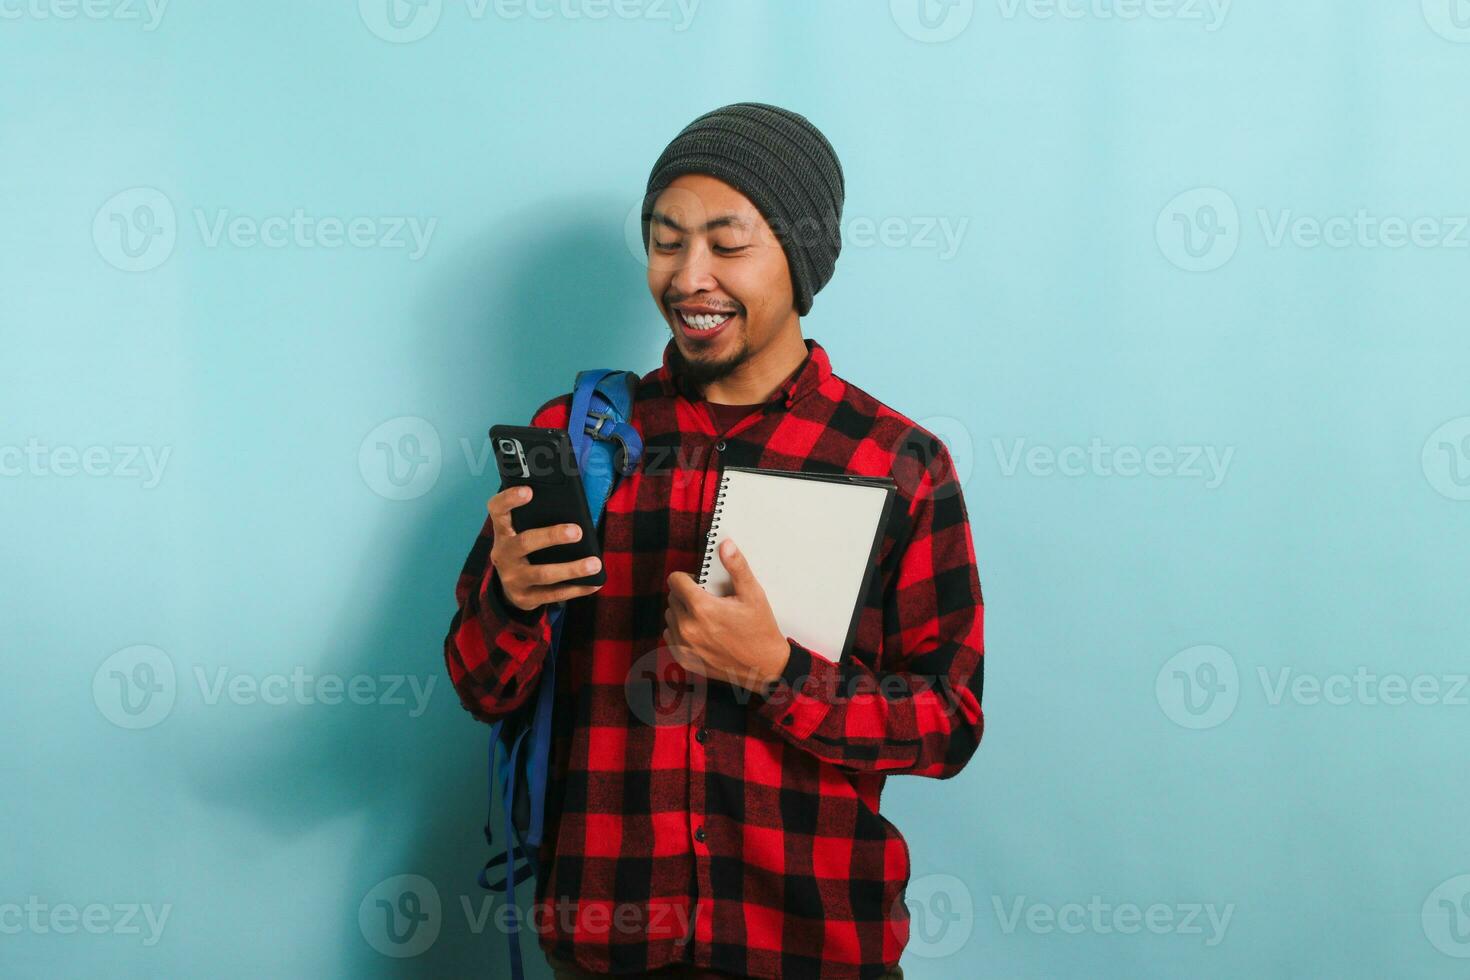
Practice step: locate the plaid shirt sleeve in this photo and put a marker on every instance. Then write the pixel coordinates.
(920, 712)
(494, 651)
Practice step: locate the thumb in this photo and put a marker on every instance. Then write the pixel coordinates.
(740, 574)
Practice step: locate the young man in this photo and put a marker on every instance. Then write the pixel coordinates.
(741, 838)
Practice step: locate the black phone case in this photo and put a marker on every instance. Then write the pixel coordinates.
(548, 465)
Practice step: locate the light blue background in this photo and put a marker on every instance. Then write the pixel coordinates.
(1055, 146)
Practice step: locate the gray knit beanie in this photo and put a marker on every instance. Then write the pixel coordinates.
(787, 169)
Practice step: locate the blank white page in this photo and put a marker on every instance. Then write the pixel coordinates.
(809, 541)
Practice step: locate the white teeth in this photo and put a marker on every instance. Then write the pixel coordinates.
(703, 321)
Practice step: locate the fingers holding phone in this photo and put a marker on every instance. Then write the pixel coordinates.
(529, 583)
(541, 498)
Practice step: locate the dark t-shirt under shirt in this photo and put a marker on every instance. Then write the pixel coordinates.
(727, 415)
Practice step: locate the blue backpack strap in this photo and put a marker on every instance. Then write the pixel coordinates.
(517, 970)
(602, 403)
(606, 446)
(514, 854)
(540, 760)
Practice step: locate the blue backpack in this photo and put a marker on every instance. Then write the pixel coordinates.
(607, 447)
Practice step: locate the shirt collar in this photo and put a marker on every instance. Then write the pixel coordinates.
(810, 376)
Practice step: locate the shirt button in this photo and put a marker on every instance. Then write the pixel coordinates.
(702, 734)
(699, 835)
(720, 445)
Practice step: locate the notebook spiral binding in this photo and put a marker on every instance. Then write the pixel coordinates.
(714, 524)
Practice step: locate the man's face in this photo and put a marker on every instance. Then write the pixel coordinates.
(711, 253)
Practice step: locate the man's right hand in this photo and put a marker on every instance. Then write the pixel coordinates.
(528, 586)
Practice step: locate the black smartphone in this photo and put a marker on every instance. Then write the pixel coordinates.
(544, 460)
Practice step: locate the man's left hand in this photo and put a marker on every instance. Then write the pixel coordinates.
(733, 639)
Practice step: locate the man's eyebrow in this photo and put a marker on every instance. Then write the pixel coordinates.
(730, 220)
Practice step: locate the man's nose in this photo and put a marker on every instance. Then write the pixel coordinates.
(695, 273)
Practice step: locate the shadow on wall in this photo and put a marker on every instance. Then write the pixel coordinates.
(540, 297)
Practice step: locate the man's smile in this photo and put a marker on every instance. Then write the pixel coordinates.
(702, 325)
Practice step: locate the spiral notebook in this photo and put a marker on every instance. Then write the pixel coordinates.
(812, 541)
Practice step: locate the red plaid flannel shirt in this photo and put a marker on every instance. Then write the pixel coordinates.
(690, 820)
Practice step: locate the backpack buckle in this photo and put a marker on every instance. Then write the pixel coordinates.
(601, 417)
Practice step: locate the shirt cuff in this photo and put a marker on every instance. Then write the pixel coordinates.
(495, 600)
(800, 698)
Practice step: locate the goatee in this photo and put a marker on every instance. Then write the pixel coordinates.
(697, 374)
